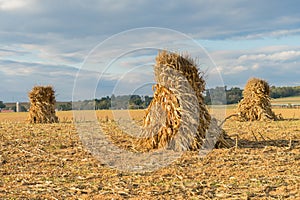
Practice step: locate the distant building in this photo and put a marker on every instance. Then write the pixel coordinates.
(18, 107)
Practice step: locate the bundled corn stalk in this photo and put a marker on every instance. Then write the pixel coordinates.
(256, 105)
(177, 117)
(42, 105)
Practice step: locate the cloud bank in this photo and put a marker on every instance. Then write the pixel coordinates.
(47, 42)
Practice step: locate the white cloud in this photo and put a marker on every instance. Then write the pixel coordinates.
(216, 70)
(11, 5)
(266, 33)
(290, 55)
(255, 66)
(16, 71)
(53, 34)
(285, 55)
(235, 69)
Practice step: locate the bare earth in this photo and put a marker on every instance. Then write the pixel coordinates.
(49, 162)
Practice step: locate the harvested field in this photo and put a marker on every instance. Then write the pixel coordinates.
(287, 100)
(48, 161)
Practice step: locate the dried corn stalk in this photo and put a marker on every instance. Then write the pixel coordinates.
(42, 105)
(177, 117)
(256, 105)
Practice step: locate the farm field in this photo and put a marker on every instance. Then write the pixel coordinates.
(48, 161)
(287, 100)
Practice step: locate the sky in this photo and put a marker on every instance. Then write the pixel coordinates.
(89, 48)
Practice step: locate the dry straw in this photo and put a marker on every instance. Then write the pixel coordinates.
(256, 105)
(42, 105)
(170, 119)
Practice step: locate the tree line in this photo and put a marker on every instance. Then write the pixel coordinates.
(114, 102)
(222, 95)
(279, 92)
(215, 96)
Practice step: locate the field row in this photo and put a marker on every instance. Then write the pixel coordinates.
(67, 116)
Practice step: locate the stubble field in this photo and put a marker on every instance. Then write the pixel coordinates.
(48, 161)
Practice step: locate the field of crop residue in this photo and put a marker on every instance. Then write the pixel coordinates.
(48, 161)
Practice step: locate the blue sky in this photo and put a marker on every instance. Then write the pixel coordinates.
(105, 47)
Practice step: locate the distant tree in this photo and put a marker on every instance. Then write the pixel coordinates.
(22, 108)
(234, 95)
(279, 92)
(112, 101)
(120, 102)
(207, 99)
(2, 105)
(87, 105)
(217, 95)
(147, 101)
(221, 95)
(65, 107)
(103, 104)
(135, 101)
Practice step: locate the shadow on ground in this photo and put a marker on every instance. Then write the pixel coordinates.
(274, 143)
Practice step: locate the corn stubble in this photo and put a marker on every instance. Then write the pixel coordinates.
(177, 117)
(256, 104)
(42, 105)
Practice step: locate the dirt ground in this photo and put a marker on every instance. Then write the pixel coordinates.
(48, 161)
